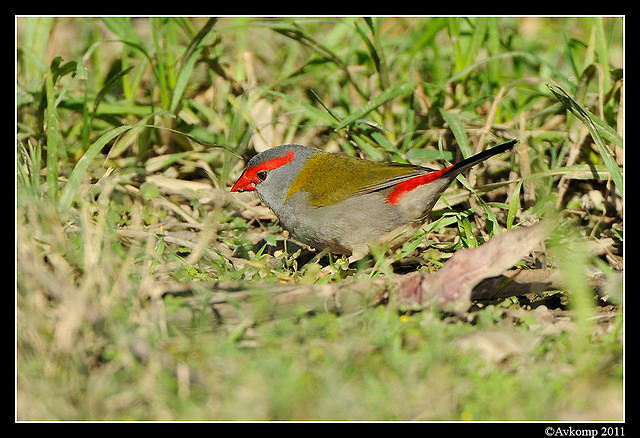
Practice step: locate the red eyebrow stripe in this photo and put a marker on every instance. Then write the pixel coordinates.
(274, 163)
(405, 187)
(271, 164)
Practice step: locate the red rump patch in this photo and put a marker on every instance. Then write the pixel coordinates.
(405, 187)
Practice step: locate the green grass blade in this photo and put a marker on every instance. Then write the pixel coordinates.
(383, 141)
(73, 185)
(122, 27)
(514, 205)
(428, 36)
(453, 25)
(528, 57)
(459, 132)
(602, 51)
(189, 59)
(375, 48)
(324, 105)
(493, 44)
(169, 57)
(188, 62)
(577, 171)
(301, 36)
(159, 69)
(195, 42)
(384, 97)
(53, 135)
(29, 166)
(583, 116)
(606, 131)
(112, 82)
(477, 39)
(492, 221)
(107, 108)
(316, 112)
(183, 79)
(33, 42)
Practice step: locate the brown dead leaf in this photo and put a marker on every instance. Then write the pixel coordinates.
(451, 286)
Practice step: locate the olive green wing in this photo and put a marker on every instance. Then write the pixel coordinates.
(333, 178)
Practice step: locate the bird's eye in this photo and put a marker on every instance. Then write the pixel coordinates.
(262, 175)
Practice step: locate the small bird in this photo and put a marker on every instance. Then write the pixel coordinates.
(341, 204)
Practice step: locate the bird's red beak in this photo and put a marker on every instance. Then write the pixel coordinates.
(243, 183)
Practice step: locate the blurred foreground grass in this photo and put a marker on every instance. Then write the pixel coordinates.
(130, 132)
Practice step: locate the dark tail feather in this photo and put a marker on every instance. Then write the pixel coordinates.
(472, 161)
